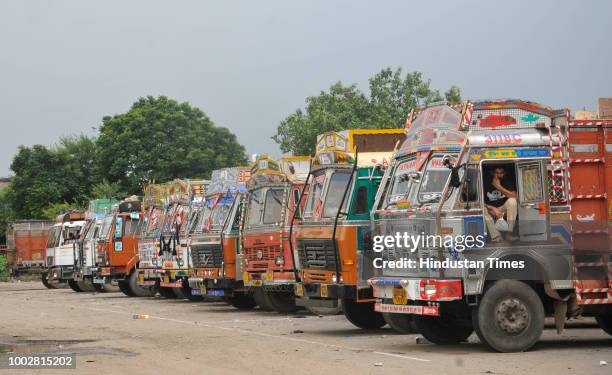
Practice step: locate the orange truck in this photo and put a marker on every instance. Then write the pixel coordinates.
(268, 261)
(116, 253)
(26, 241)
(333, 236)
(214, 243)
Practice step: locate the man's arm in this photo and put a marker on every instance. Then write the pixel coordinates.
(507, 193)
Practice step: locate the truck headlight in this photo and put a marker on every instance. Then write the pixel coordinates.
(279, 260)
(334, 278)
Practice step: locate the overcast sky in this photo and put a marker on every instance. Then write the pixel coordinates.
(248, 64)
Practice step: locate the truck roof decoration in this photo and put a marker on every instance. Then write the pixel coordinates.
(265, 171)
(153, 196)
(199, 188)
(232, 180)
(492, 122)
(98, 208)
(70, 216)
(296, 168)
(178, 191)
(375, 146)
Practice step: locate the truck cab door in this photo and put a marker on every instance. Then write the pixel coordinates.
(532, 201)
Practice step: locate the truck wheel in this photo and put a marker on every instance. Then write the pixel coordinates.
(400, 323)
(86, 286)
(166, 292)
(179, 293)
(510, 317)
(262, 300)
(45, 282)
(362, 314)
(124, 287)
(443, 330)
(137, 290)
(282, 302)
(74, 286)
(605, 322)
(242, 301)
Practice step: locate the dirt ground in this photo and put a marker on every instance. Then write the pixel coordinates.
(213, 338)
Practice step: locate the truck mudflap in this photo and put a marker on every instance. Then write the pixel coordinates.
(406, 309)
(403, 290)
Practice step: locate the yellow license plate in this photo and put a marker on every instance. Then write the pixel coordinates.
(245, 276)
(166, 279)
(141, 277)
(269, 276)
(399, 296)
(202, 290)
(256, 283)
(324, 291)
(299, 290)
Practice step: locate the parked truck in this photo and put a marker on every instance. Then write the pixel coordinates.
(116, 255)
(273, 193)
(333, 236)
(25, 240)
(188, 197)
(515, 200)
(214, 244)
(149, 233)
(61, 250)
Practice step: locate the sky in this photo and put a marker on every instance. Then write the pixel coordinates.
(249, 64)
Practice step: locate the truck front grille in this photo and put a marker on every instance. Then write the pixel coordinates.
(206, 255)
(317, 254)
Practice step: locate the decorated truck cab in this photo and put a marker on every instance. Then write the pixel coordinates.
(185, 198)
(117, 249)
(62, 248)
(478, 225)
(214, 244)
(268, 262)
(149, 233)
(333, 236)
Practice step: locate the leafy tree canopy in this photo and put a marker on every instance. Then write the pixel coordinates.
(160, 139)
(392, 96)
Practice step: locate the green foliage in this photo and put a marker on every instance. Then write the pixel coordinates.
(105, 189)
(6, 214)
(392, 96)
(55, 209)
(4, 274)
(160, 139)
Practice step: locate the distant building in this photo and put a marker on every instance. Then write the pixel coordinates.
(604, 111)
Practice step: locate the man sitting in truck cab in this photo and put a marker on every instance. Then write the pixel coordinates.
(500, 201)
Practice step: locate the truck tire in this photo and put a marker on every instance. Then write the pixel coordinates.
(45, 282)
(179, 293)
(605, 322)
(242, 301)
(124, 287)
(282, 302)
(443, 330)
(509, 317)
(137, 290)
(400, 323)
(86, 286)
(362, 314)
(166, 292)
(262, 300)
(74, 286)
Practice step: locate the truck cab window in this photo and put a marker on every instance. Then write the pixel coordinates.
(361, 202)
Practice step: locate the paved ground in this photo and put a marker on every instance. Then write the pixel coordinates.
(209, 338)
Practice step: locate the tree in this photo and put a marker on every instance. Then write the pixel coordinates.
(53, 210)
(392, 96)
(105, 189)
(160, 139)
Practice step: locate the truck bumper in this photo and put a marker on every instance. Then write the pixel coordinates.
(269, 278)
(327, 295)
(148, 276)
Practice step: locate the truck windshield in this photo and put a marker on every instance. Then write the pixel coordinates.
(256, 203)
(402, 184)
(273, 206)
(153, 221)
(314, 195)
(433, 181)
(335, 191)
(54, 236)
(220, 213)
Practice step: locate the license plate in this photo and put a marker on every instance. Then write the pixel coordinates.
(269, 276)
(166, 279)
(299, 290)
(202, 290)
(256, 283)
(245, 276)
(324, 291)
(195, 292)
(400, 296)
(216, 292)
(141, 277)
